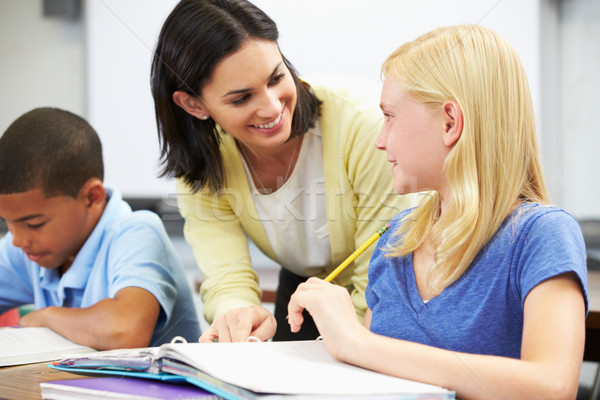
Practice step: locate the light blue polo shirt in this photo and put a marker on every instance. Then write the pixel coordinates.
(125, 249)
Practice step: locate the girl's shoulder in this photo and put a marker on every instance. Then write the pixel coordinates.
(401, 218)
(541, 217)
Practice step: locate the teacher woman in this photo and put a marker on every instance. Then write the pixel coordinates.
(259, 153)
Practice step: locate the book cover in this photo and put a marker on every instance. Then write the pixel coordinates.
(121, 388)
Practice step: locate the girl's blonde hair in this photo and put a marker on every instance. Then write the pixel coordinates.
(495, 163)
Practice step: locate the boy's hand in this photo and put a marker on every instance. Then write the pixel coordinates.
(238, 324)
(33, 318)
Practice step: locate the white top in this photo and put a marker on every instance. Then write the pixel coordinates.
(295, 216)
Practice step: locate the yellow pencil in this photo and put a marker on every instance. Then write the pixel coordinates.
(357, 252)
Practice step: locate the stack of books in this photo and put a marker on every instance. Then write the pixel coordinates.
(271, 370)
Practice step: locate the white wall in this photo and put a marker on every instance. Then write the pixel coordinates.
(355, 36)
(120, 37)
(41, 61)
(571, 138)
(579, 134)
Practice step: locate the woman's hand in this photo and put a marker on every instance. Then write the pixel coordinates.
(332, 310)
(238, 324)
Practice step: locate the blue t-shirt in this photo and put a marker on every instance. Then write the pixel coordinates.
(125, 249)
(482, 311)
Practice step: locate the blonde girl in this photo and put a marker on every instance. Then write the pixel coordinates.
(483, 287)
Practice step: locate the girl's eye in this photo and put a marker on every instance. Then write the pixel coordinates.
(35, 226)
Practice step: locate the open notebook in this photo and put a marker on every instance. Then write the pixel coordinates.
(302, 369)
(31, 345)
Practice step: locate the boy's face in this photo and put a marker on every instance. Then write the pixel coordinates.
(50, 230)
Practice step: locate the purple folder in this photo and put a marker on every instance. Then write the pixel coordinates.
(127, 386)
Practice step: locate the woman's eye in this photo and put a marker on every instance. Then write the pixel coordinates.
(276, 79)
(35, 226)
(241, 100)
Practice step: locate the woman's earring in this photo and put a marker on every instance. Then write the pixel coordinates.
(204, 117)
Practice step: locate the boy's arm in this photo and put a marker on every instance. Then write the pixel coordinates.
(125, 321)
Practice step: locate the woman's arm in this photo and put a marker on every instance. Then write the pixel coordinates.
(552, 345)
(229, 290)
(213, 230)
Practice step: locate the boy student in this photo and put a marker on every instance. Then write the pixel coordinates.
(98, 273)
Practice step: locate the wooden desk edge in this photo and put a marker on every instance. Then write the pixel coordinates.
(23, 381)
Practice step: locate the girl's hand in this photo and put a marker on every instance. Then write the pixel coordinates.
(332, 310)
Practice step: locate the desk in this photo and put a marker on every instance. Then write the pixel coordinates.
(22, 382)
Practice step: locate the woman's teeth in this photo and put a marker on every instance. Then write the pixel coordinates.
(271, 124)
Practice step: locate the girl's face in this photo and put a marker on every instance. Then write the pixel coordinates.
(413, 138)
(252, 95)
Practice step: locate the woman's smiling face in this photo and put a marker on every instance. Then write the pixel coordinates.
(252, 95)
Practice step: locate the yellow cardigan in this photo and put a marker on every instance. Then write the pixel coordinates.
(359, 196)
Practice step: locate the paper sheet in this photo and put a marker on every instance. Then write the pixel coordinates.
(30, 345)
(302, 367)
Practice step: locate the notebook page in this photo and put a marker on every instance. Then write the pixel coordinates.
(301, 367)
(30, 345)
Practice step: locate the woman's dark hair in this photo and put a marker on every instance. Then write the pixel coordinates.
(195, 37)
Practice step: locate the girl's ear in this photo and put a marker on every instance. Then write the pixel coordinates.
(453, 122)
(190, 104)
